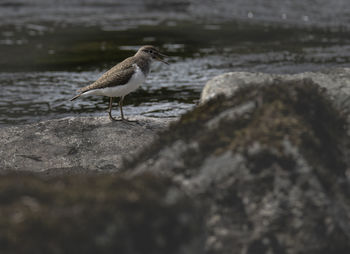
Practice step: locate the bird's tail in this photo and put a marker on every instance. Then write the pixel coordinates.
(78, 95)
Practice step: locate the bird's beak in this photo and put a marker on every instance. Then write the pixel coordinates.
(160, 58)
(162, 55)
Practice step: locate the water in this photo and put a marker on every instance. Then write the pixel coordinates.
(48, 49)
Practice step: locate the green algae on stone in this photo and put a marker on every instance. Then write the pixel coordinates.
(95, 214)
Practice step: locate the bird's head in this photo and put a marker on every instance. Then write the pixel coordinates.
(152, 52)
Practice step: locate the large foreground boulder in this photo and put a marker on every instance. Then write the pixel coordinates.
(97, 214)
(75, 144)
(270, 161)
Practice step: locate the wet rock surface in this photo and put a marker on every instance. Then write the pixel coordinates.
(270, 161)
(75, 144)
(96, 214)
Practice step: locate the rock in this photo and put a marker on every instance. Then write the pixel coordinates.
(97, 214)
(335, 82)
(74, 144)
(229, 83)
(270, 160)
(268, 163)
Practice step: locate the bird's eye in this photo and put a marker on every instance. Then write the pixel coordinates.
(151, 51)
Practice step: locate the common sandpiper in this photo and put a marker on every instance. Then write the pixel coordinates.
(123, 78)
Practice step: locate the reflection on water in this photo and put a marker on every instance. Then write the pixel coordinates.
(48, 49)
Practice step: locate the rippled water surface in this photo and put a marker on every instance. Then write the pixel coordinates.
(48, 49)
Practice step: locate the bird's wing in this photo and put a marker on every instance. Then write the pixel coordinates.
(116, 76)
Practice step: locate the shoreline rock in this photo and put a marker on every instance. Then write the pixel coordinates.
(75, 144)
(336, 83)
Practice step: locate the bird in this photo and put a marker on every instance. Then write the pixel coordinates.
(123, 78)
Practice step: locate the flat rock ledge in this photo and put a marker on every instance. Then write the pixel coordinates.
(75, 144)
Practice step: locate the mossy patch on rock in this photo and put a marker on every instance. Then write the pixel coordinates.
(96, 214)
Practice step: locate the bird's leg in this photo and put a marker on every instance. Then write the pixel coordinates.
(121, 110)
(110, 110)
(121, 107)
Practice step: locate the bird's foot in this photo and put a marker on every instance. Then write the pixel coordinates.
(125, 120)
(115, 119)
(130, 121)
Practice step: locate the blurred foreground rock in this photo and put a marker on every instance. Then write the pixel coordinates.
(270, 160)
(74, 144)
(97, 214)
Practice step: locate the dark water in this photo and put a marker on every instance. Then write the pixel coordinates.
(48, 49)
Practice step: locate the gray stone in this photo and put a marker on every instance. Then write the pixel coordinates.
(270, 160)
(75, 144)
(336, 83)
(229, 83)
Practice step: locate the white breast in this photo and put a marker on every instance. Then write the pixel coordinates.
(118, 91)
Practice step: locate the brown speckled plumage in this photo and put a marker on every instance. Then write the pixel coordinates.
(119, 74)
(122, 72)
